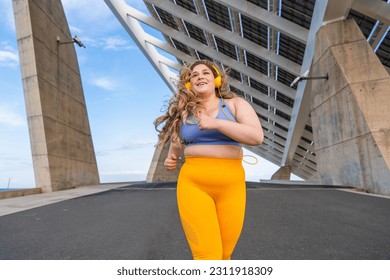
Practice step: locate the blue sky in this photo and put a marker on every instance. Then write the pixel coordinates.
(124, 94)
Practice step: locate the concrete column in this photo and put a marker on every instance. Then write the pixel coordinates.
(60, 136)
(350, 112)
(283, 173)
(157, 172)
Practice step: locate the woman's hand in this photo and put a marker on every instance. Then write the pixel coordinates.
(170, 162)
(175, 152)
(206, 122)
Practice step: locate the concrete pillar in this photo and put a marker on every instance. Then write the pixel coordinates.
(60, 137)
(350, 112)
(283, 173)
(157, 172)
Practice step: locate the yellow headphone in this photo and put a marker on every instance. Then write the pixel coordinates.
(217, 80)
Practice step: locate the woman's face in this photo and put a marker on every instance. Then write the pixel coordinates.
(202, 80)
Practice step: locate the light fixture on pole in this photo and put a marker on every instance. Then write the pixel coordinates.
(306, 77)
(75, 39)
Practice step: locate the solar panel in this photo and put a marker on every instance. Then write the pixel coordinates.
(254, 77)
(383, 51)
(195, 32)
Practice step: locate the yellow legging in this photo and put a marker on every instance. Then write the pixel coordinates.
(211, 197)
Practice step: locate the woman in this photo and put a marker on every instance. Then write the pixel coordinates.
(208, 123)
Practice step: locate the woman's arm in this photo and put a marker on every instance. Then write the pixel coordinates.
(247, 130)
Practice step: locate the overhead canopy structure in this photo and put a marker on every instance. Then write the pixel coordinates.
(265, 44)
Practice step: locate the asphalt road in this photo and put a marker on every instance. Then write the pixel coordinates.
(141, 222)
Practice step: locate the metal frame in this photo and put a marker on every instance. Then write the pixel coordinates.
(266, 44)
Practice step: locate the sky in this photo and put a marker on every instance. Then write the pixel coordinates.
(123, 93)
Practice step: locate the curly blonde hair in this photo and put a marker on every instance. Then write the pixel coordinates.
(185, 102)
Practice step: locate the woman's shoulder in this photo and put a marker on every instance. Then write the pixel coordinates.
(238, 104)
(236, 101)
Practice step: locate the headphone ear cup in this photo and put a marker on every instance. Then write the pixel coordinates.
(218, 81)
(188, 85)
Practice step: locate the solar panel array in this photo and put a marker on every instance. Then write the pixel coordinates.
(261, 61)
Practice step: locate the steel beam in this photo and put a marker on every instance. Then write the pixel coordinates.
(376, 9)
(134, 29)
(272, 20)
(228, 36)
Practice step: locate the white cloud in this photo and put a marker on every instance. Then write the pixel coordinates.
(75, 30)
(128, 147)
(8, 58)
(81, 17)
(9, 117)
(104, 83)
(117, 43)
(113, 43)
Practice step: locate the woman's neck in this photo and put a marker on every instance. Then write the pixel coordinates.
(209, 101)
(209, 106)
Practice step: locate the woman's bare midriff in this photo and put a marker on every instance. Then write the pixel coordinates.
(218, 151)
